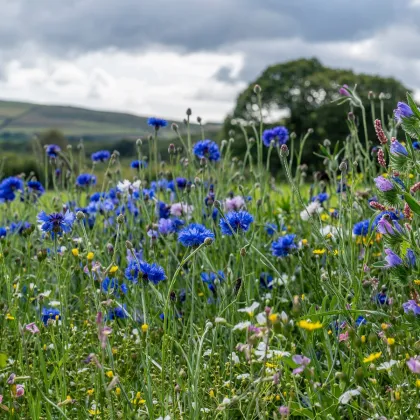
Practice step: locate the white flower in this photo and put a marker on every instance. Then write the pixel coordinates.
(241, 326)
(348, 395)
(310, 210)
(207, 352)
(243, 376)
(54, 303)
(387, 365)
(262, 352)
(226, 401)
(250, 309)
(329, 230)
(235, 358)
(124, 186)
(261, 318)
(219, 320)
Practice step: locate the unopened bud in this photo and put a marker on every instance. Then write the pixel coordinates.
(208, 241)
(174, 127)
(350, 116)
(129, 245)
(310, 130)
(382, 96)
(343, 167)
(284, 150)
(80, 215)
(371, 95)
(188, 112)
(257, 89)
(139, 142)
(199, 120)
(171, 149)
(327, 143)
(243, 252)
(120, 219)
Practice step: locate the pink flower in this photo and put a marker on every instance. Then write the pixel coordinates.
(20, 390)
(32, 328)
(1, 398)
(284, 411)
(414, 364)
(181, 209)
(234, 204)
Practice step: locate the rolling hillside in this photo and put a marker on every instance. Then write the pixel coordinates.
(19, 120)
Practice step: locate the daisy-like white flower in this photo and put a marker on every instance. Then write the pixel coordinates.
(314, 207)
(387, 365)
(126, 185)
(347, 396)
(262, 352)
(241, 326)
(250, 309)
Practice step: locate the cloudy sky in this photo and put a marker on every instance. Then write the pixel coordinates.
(160, 57)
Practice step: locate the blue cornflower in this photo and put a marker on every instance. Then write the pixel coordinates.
(402, 111)
(49, 313)
(397, 148)
(283, 246)
(85, 179)
(118, 312)
(194, 235)
(381, 298)
(210, 278)
(3, 232)
(320, 197)
(20, 227)
(207, 149)
(56, 223)
(142, 270)
(416, 145)
(234, 222)
(180, 183)
(279, 134)
(53, 150)
(266, 281)
(361, 228)
(96, 197)
(137, 164)
(163, 210)
(165, 226)
(157, 123)
(360, 321)
(101, 156)
(270, 228)
(35, 188)
(8, 187)
(113, 285)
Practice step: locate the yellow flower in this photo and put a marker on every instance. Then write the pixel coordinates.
(118, 391)
(94, 412)
(272, 317)
(363, 339)
(200, 294)
(110, 373)
(372, 357)
(319, 251)
(10, 317)
(391, 341)
(90, 391)
(397, 395)
(329, 332)
(211, 393)
(324, 217)
(138, 395)
(75, 252)
(114, 350)
(309, 326)
(270, 365)
(68, 398)
(144, 328)
(113, 269)
(90, 256)
(417, 282)
(304, 242)
(411, 176)
(384, 326)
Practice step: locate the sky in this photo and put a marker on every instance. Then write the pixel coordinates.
(160, 57)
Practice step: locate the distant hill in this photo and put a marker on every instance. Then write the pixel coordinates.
(20, 119)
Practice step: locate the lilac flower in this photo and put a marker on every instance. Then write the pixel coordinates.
(302, 361)
(284, 410)
(383, 184)
(410, 257)
(414, 364)
(385, 227)
(343, 91)
(235, 203)
(402, 111)
(397, 148)
(392, 258)
(32, 328)
(165, 226)
(411, 306)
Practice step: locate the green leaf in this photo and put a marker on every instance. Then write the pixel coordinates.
(411, 126)
(379, 264)
(413, 106)
(412, 203)
(3, 360)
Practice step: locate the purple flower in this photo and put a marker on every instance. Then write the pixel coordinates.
(343, 91)
(411, 306)
(410, 257)
(385, 227)
(414, 364)
(302, 361)
(397, 148)
(52, 150)
(392, 258)
(165, 226)
(284, 410)
(383, 184)
(32, 328)
(402, 111)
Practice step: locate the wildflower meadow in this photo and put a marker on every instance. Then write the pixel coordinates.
(213, 286)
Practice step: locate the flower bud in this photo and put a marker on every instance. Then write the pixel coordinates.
(120, 219)
(257, 89)
(80, 215)
(284, 150)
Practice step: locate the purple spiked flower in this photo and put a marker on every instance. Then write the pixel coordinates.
(383, 184)
(392, 258)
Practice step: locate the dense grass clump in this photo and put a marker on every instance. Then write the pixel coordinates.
(201, 288)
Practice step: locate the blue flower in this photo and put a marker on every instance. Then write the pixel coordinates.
(53, 150)
(210, 278)
(397, 148)
(266, 281)
(402, 111)
(85, 179)
(101, 156)
(142, 270)
(3, 232)
(411, 306)
(56, 223)
(392, 259)
(165, 226)
(283, 246)
(270, 228)
(96, 197)
(381, 299)
(8, 187)
(20, 227)
(113, 285)
(194, 235)
(279, 134)
(320, 197)
(360, 321)
(416, 145)
(410, 257)
(207, 149)
(137, 164)
(118, 312)
(49, 313)
(234, 222)
(157, 123)
(163, 210)
(361, 228)
(36, 188)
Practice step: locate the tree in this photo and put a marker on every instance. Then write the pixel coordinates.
(300, 94)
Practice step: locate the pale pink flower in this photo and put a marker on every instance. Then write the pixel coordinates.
(32, 328)
(181, 209)
(235, 203)
(343, 337)
(20, 390)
